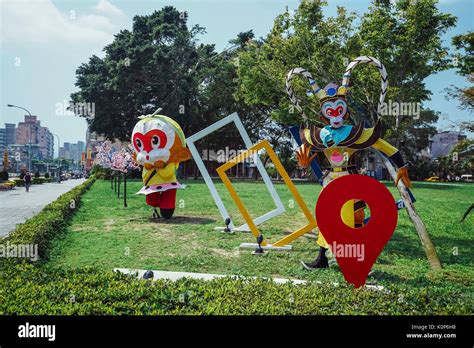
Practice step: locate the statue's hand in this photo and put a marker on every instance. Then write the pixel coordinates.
(303, 155)
(403, 175)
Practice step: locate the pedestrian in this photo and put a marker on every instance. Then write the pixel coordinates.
(27, 179)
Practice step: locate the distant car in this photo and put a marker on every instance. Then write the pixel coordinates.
(467, 178)
(434, 179)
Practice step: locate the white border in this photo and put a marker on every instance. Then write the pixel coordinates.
(207, 178)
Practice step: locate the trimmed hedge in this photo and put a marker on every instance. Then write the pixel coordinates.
(8, 185)
(37, 289)
(34, 181)
(4, 175)
(19, 182)
(27, 289)
(50, 222)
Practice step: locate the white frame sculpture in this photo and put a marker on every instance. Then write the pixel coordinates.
(210, 184)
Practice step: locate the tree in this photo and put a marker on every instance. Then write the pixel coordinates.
(158, 64)
(405, 36)
(463, 61)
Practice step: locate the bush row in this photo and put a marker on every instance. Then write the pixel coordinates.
(106, 173)
(34, 181)
(26, 289)
(42, 228)
(7, 185)
(37, 289)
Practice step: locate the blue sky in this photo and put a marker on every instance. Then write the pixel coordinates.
(44, 41)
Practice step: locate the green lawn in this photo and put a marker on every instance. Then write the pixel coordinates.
(106, 235)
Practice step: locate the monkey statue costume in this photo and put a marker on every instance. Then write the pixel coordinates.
(160, 146)
(337, 142)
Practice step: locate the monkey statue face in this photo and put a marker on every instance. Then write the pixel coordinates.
(158, 140)
(334, 111)
(152, 139)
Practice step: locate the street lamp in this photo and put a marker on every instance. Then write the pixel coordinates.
(19, 107)
(29, 145)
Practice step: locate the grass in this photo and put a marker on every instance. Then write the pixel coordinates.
(105, 235)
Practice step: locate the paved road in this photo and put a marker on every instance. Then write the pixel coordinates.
(17, 205)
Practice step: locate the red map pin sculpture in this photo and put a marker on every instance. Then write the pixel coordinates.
(356, 249)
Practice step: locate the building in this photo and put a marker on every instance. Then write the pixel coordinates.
(76, 150)
(27, 132)
(64, 151)
(3, 140)
(46, 142)
(31, 132)
(92, 141)
(10, 133)
(72, 152)
(442, 143)
(22, 152)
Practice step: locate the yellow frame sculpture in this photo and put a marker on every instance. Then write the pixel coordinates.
(286, 178)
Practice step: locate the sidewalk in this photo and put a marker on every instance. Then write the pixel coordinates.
(17, 205)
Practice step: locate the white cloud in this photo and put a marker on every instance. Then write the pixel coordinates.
(100, 23)
(107, 8)
(40, 21)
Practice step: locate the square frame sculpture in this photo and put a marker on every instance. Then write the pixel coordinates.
(265, 145)
(233, 118)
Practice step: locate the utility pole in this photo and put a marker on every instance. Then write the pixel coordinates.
(29, 145)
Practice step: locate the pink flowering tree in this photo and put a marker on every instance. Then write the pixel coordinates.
(122, 161)
(104, 154)
(129, 162)
(118, 162)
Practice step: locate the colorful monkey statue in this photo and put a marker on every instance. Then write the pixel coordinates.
(337, 142)
(160, 146)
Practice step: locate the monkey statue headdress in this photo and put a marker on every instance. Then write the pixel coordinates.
(337, 142)
(160, 146)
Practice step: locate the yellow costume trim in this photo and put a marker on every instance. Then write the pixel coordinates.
(163, 176)
(307, 135)
(169, 121)
(366, 134)
(384, 147)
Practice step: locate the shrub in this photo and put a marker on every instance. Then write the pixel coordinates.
(4, 176)
(46, 175)
(50, 222)
(38, 181)
(8, 185)
(37, 174)
(101, 172)
(19, 182)
(31, 289)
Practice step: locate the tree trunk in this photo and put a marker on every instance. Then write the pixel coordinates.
(125, 190)
(420, 227)
(119, 179)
